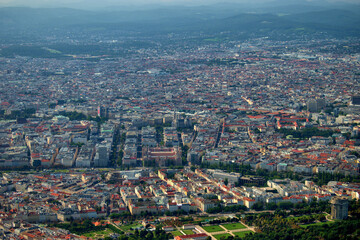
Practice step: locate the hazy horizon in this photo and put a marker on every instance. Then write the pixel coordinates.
(94, 4)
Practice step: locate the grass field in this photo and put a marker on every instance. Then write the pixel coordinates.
(188, 232)
(218, 236)
(204, 219)
(128, 227)
(51, 50)
(296, 218)
(99, 234)
(241, 234)
(61, 170)
(233, 226)
(316, 224)
(176, 233)
(213, 229)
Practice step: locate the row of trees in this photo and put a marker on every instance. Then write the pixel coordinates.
(277, 175)
(226, 209)
(320, 178)
(158, 234)
(81, 116)
(323, 178)
(80, 227)
(295, 208)
(313, 207)
(114, 154)
(244, 169)
(306, 133)
(219, 221)
(25, 113)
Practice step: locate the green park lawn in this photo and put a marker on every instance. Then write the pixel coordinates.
(176, 233)
(316, 224)
(312, 215)
(218, 236)
(188, 232)
(62, 170)
(233, 226)
(241, 234)
(211, 229)
(205, 219)
(128, 227)
(99, 234)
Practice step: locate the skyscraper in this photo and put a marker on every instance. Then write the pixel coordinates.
(315, 105)
(355, 100)
(339, 207)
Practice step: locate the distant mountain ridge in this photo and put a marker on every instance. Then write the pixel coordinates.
(15, 22)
